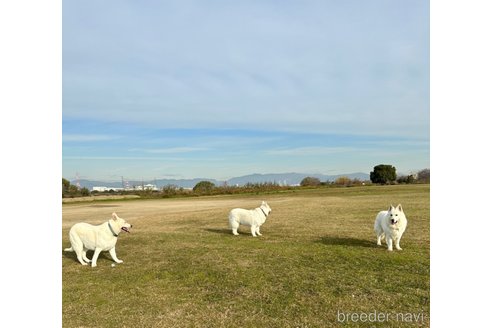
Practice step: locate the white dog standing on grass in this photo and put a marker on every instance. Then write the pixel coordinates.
(103, 237)
(390, 224)
(253, 218)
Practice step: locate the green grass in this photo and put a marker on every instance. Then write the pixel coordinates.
(317, 256)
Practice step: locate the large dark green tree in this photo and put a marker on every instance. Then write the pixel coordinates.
(383, 174)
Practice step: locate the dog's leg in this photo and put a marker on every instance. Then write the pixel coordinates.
(84, 255)
(397, 243)
(379, 233)
(389, 241)
(253, 230)
(234, 225)
(80, 256)
(79, 250)
(96, 255)
(77, 247)
(112, 252)
(258, 231)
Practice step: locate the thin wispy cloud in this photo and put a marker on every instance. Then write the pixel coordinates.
(302, 151)
(88, 138)
(163, 159)
(174, 150)
(116, 158)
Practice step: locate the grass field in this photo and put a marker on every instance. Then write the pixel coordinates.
(317, 258)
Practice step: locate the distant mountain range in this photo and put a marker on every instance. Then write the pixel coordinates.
(289, 179)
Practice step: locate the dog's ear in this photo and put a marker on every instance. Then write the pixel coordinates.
(389, 209)
(399, 208)
(115, 217)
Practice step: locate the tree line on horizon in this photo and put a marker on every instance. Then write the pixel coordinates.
(382, 174)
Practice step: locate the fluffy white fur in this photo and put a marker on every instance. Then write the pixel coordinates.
(390, 225)
(85, 236)
(253, 218)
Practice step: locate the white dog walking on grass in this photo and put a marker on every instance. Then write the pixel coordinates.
(103, 237)
(253, 218)
(390, 224)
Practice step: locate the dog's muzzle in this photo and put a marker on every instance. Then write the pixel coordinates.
(125, 229)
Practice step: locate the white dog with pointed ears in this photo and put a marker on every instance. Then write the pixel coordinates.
(103, 237)
(391, 225)
(253, 218)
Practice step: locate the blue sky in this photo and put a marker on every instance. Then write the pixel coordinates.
(218, 89)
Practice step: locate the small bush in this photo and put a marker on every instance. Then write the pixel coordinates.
(310, 181)
(204, 187)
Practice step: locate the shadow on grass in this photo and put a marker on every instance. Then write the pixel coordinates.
(90, 253)
(343, 241)
(220, 231)
(70, 255)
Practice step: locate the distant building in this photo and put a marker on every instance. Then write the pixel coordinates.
(104, 189)
(140, 187)
(100, 189)
(146, 187)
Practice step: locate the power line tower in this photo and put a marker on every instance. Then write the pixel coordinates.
(125, 184)
(77, 180)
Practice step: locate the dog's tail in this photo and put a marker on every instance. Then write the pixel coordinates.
(68, 249)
